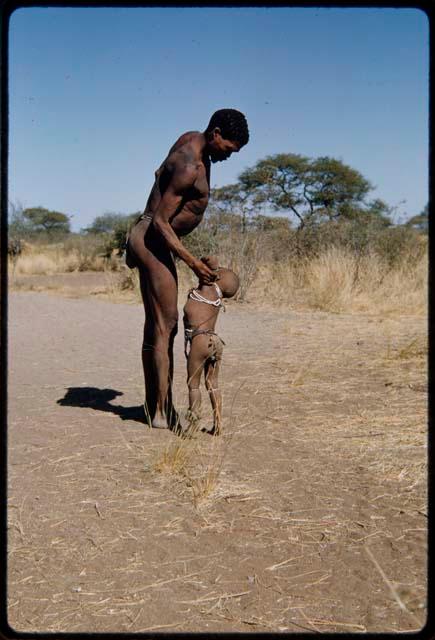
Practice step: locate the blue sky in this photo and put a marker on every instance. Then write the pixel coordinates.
(97, 97)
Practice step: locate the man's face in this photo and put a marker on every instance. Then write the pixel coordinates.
(220, 148)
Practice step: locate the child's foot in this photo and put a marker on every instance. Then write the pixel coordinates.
(189, 424)
(215, 431)
(180, 425)
(191, 416)
(174, 419)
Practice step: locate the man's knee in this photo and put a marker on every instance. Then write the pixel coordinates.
(168, 324)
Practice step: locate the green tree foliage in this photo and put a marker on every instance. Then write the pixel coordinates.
(41, 219)
(420, 222)
(234, 200)
(359, 226)
(105, 223)
(313, 190)
(116, 239)
(110, 231)
(18, 226)
(270, 223)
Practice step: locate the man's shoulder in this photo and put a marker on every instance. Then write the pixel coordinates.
(189, 138)
(185, 155)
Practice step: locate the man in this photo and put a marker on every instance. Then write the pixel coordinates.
(175, 207)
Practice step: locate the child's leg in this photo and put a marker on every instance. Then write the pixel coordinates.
(195, 365)
(212, 384)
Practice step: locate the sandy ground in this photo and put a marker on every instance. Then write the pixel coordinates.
(308, 514)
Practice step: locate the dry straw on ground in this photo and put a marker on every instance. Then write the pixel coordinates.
(195, 457)
(264, 531)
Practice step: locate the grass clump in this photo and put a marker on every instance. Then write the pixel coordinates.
(196, 461)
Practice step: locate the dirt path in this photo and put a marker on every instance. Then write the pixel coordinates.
(316, 513)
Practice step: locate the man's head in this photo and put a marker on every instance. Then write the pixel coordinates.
(226, 133)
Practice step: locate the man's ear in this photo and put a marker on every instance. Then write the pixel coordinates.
(211, 134)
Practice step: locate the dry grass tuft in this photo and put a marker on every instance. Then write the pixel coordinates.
(203, 477)
(330, 280)
(120, 284)
(173, 459)
(196, 458)
(203, 486)
(341, 281)
(177, 456)
(35, 265)
(58, 258)
(416, 348)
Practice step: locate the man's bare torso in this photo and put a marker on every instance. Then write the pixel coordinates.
(186, 151)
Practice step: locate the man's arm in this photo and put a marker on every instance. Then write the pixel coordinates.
(183, 177)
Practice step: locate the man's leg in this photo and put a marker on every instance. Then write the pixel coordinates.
(147, 353)
(158, 277)
(161, 308)
(173, 417)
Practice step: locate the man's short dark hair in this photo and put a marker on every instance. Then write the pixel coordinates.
(232, 123)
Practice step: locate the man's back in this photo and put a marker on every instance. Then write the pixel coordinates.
(185, 166)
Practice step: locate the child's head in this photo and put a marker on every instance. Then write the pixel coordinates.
(228, 281)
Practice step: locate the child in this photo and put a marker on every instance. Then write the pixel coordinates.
(205, 354)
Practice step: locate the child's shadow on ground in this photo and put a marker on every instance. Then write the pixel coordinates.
(99, 399)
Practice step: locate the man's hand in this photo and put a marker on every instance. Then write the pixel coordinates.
(211, 261)
(204, 273)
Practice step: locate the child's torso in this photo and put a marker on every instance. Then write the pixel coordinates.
(200, 315)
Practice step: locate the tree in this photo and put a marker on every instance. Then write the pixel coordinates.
(18, 225)
(376, 214)
(234, 200)
(420, 221)
(42, 219)
(270, 223)
(115, 240)
(313, 190)
(106, 223)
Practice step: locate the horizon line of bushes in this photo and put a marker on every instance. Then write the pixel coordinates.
(322, 202)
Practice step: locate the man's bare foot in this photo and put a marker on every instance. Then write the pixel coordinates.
(160, 422)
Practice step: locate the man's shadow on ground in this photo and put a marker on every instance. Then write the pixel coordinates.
(99, 399)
